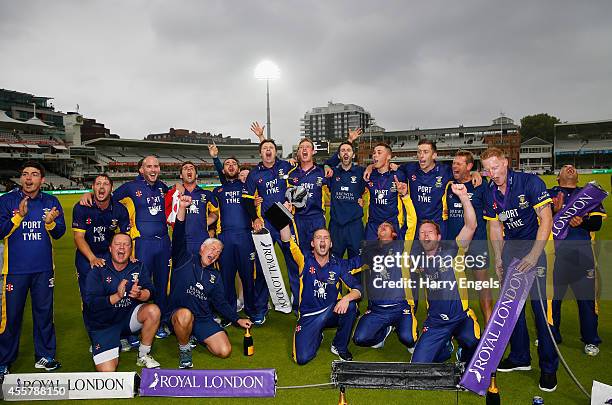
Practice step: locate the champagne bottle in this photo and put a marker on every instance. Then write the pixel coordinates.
(248, 343)
(493, 392)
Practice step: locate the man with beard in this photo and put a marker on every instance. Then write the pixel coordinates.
(115, 296)
(144, 199)
(385, 203)
(268, 180)
(29, 221)
(238, 256)
(575, 265)
(195, 291)
(520, 221)
(319, 307)
(453, 218)
(93, 228)
(346, 186)
(442, 268)
(202, 211)
(312, 177)
(428, 181)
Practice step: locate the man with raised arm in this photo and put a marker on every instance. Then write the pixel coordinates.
(268, 180)
(442, 269)
(201, 213)
(454, 222)
(195, 291)
(520, 221)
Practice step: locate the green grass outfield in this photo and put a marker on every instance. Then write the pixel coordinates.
(273, 343)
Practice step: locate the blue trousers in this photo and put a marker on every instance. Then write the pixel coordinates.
(372, 326)
(309, 332)
(292, 268)
(155, 254)
(306, 227)
(519, 341)
(575, 269)
(347, 237)
(15, 289)
(238, 255)
(435, 335)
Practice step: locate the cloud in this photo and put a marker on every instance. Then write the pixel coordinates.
(146, 66)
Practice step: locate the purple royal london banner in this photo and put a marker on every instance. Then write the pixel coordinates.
(496, 336)
(208, 383)
(584, 201)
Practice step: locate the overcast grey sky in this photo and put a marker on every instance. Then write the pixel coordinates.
(145, 66)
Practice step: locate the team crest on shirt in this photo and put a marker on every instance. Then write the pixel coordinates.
(371, 184)
(281, 172)
(298, 328)
(353, 179)
(406, 311)
(522, 202)
(332, 277)
(494, 205)
(203, 198)
(311, 270)
(134, 277)
(590, 273)
(413, 177)
(97, 346)
(541, 271)
(9, 287)
(337, 178)
(319, 181)
(212, 278)
(295, 180)
(109, 279)
(138, 193)
(113, 224)
(425, 329)
(88, 221)
(260, 180)
(438, 182)
(393, 187)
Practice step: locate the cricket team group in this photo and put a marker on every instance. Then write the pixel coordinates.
(137, 283)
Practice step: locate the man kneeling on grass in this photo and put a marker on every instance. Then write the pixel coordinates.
(115, 305)
(320, 274)
(196, 286)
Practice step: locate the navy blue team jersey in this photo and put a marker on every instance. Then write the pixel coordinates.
(576, 233)
(145, 204)
(28, 240)
(101, 283)
(385, 202)
(99, 225)
(516, 209)
(454, 211)
(346, 188)
(202, 203)
(312, 180)
(232, 215)
(268, 183)
(427, 189)
(320, 286)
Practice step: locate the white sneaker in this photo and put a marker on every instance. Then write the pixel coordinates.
(591, 350)
(147, 361)
(381, 344)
